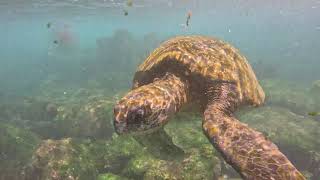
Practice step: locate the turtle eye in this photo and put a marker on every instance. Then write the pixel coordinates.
(140, 112)
(136, 115)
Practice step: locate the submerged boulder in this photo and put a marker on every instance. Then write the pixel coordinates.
(123, 157)
(82, 159)
(193, 166)
(33, 114)
(284, 127)
(63, 159)
(288, 95)
(315, 93)
(110, 176)
(89, 120)
(16, 148)
(29, 109)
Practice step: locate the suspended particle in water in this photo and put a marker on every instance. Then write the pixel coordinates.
(313, 113)
(125, 12)
(188, 18)
(129, 3)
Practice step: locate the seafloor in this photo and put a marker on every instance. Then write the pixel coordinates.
(62, 131)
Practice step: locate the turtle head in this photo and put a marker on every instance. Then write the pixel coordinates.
(141, 110)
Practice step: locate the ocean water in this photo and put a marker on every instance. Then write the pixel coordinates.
(51, 49)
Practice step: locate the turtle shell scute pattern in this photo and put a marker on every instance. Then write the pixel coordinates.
(210, 58)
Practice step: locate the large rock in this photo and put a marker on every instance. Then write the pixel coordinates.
(315, 93)
(89, 120)
(194, 165)
(32, 114)
(29, 109)
(16, 148)
(288, 95)
(284, 127)
(82, 159)
(110, 176)
(63, 159)
(85, 116)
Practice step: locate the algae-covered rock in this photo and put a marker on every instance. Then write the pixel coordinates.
(120, 150)
(139, 163)
(63, 159)
(148, 167)
(84, 159)
(198, 166)
(89, 120)
(315, 92)
(312, 165)
(29, 109)
(33, 114)
(288, 95)
(86, 118)
(193, 166)
(284, 127)
(186, 131)
(16, 148)
(110, 176)
(124, 43)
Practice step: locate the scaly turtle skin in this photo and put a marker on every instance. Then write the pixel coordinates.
(213, 74)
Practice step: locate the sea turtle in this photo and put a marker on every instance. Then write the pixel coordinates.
(212, 73)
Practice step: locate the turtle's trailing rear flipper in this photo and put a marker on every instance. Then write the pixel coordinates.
(248, 151)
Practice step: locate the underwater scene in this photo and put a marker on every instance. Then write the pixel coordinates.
(159, 89)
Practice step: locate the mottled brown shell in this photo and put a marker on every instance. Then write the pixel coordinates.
(206, 57)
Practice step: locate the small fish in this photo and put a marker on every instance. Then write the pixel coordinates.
(129, 3)
(313, 113)
(188, 17)
(55, 41)
(48, 25)
(125, 12)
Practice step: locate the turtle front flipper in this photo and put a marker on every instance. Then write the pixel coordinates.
(245, 149)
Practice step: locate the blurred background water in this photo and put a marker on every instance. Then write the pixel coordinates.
(69, 51)
(284, 34)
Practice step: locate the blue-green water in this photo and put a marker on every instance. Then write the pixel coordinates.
(285, 34)
(97, 47)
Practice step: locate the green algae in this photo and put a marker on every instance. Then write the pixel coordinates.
(16, 142)
(63, 159)
(315, 93)
(89, 120)
(284, 127)
(110, 176)
(288, 95)
(16, 148)
(82, 115)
